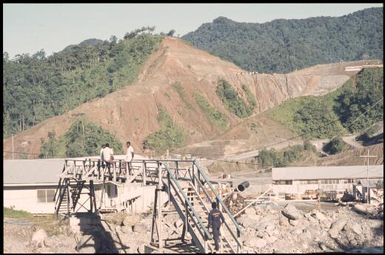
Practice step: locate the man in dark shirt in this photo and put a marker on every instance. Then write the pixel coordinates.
(215, 221)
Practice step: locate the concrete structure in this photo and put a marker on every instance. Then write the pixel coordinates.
(297, 180)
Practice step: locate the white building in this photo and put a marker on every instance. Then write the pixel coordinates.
(296, 180)
(30, 185)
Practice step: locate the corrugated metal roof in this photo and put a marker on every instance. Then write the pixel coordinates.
(39, 171)
(326, 172)
(31, 171)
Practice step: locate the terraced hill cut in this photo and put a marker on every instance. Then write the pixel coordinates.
(171, 80)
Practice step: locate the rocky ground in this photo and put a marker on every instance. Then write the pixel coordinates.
(275, 228)
(271, 228)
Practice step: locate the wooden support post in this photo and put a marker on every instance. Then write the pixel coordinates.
(91, 202)
(185, 226)
(144, 173)
(160, 220)
(169, 188)
(154, 218)
(127, 171)
(176, 170)
(68, 196)
(199, 179)
(93, 192)
(102, 195)
(220, 196)
(114, 170)
(193, 175)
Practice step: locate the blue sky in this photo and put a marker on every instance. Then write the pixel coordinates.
(28, 28)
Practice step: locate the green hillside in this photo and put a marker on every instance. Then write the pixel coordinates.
(354, 107)
(38, 87)
(285, 45)
(83, 138)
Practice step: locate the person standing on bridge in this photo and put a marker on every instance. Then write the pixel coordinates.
(108, 156)
(129, 157)
(215, 221)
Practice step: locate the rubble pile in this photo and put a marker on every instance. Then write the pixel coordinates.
(273, 228)
(235, 202)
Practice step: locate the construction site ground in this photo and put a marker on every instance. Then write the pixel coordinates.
(285, 226)
(265, 229)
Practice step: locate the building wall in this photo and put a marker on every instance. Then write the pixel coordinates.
(299, 187)
(132, 197)
(27, 200)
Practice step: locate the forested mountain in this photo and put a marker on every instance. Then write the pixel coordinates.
(38, 87)
(285, 45)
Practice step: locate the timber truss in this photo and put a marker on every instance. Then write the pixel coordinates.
(189, 195)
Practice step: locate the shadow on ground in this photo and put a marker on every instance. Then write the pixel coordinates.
(95, 238)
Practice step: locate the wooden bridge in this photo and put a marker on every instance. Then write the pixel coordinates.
(189, 194)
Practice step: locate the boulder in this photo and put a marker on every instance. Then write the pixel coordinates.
(283, 221)
(39, 238)
(291, 212)
(365, 209)
(356, 228)
(293, 222)
(318, 215)
(336, 227)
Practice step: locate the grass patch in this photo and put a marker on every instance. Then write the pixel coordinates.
(282, 158)
(215, 117)
(310, 116)
(250, 97)
(182, 94)
(12, 213)
(232, 100)
(169, 136)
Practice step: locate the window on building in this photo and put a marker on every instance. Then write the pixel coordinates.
(284, 182)
(45, 195)
(50, 195)
(41, 197)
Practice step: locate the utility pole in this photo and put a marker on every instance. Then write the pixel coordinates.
(367, 173)
(13, 149)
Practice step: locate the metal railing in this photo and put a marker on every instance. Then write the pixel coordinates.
(184, 201)
(173, 174)
(218, 198)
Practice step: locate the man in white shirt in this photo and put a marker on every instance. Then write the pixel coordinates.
(129, 156)
(108, 156)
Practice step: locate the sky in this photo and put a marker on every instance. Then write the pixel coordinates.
(28, 28)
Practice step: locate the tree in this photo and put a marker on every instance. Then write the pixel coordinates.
(171, 32)
(336, 145)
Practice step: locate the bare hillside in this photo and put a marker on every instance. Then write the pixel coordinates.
(131, 113)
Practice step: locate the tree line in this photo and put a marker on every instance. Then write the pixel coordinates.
(286, 45)
(38, 87)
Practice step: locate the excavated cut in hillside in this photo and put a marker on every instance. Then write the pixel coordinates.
(131, 112)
